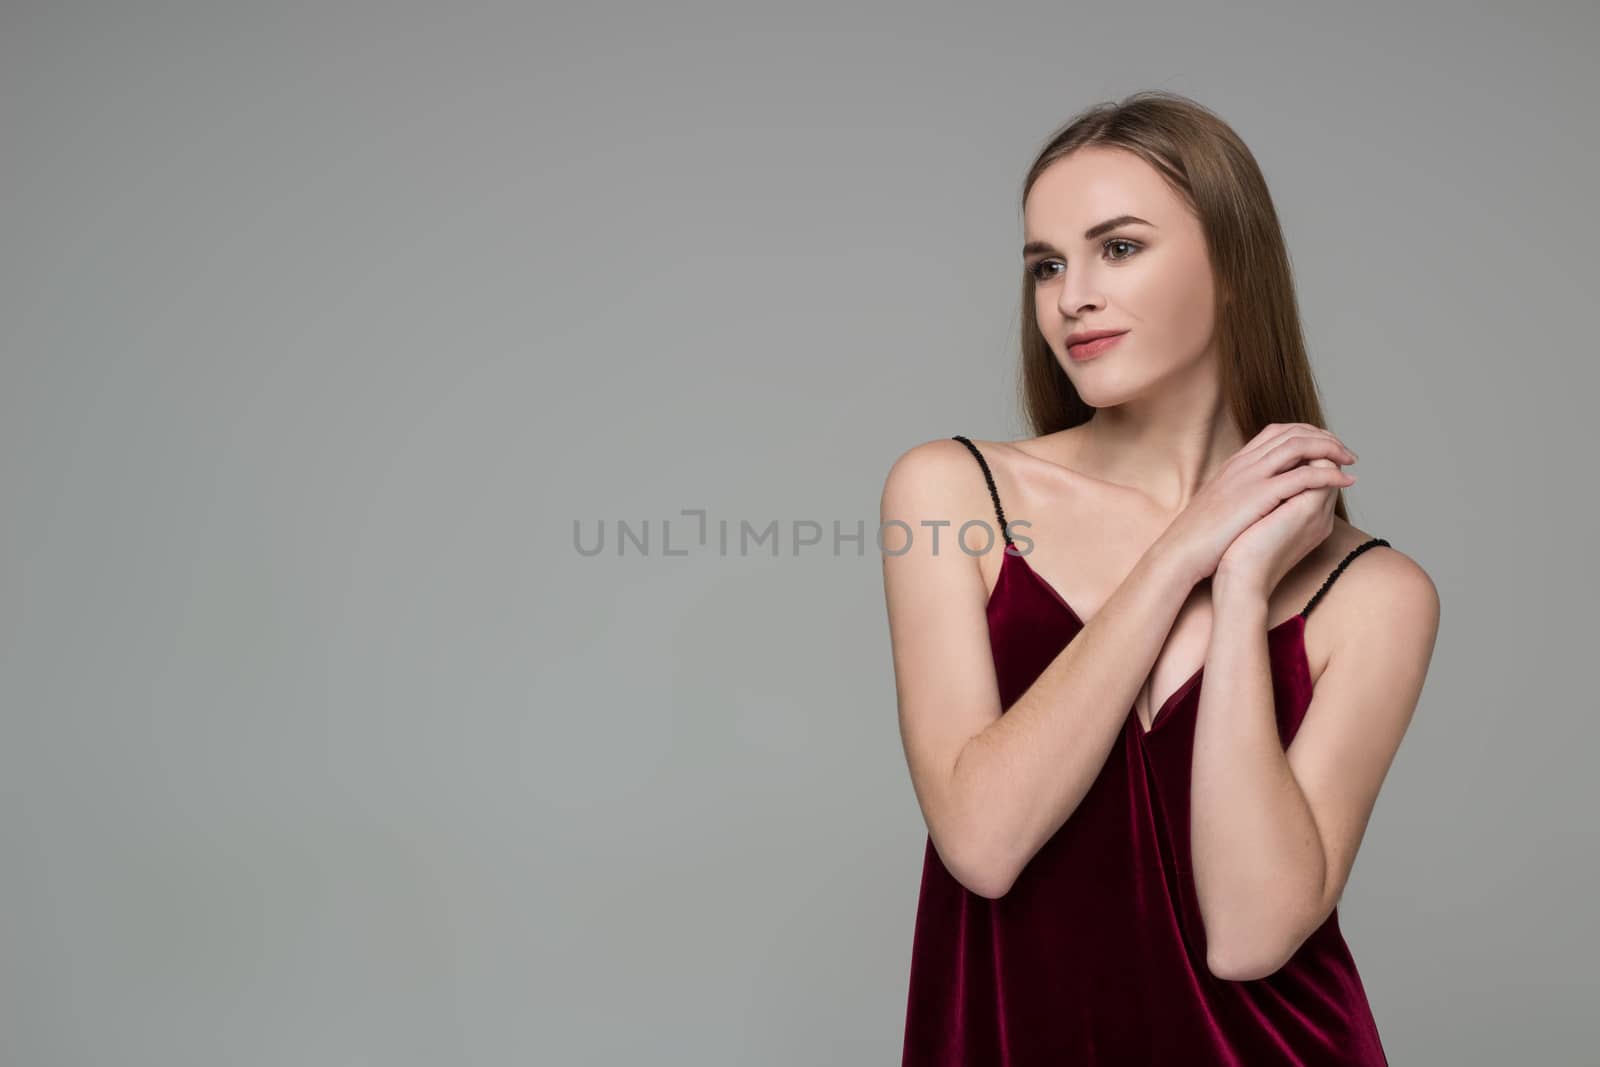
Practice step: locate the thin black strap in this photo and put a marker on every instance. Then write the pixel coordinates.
(1354, 552)
(993, 492)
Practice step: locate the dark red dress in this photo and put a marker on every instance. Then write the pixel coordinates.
(1097, 954)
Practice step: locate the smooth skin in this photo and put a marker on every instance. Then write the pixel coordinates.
(1216, 539)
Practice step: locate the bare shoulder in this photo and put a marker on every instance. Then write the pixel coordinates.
(943, 479)
(928, 481)
(1382, 594)
(929, 459)
(930, 491)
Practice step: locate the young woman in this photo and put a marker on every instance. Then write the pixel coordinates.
(1125, 865)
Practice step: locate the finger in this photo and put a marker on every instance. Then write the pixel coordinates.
(1299, 479)
(1276, 434)
(1321, 473)
(1301, 447)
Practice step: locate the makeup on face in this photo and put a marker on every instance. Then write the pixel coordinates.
(1097, 342)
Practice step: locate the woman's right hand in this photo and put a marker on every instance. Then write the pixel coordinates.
(1273, 466)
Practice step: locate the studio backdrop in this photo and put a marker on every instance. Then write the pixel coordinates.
(442, 447)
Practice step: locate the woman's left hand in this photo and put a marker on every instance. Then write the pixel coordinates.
(1269, 548)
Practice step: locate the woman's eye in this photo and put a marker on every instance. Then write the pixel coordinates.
(1040, 270)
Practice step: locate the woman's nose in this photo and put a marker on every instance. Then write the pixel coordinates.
(1077, 297)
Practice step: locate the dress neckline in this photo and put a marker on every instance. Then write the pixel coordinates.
(1296, 622)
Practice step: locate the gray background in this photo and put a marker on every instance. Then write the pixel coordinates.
(322, 325)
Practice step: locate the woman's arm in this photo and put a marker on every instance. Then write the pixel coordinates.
(993, 788)
(1274, 834)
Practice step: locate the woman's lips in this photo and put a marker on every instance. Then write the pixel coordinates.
(1090, 349)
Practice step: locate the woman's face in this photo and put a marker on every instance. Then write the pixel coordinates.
(1150, 278)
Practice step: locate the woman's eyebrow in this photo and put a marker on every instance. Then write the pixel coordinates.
(1090, 234)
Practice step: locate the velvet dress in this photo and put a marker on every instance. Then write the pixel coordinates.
(1097, 953)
